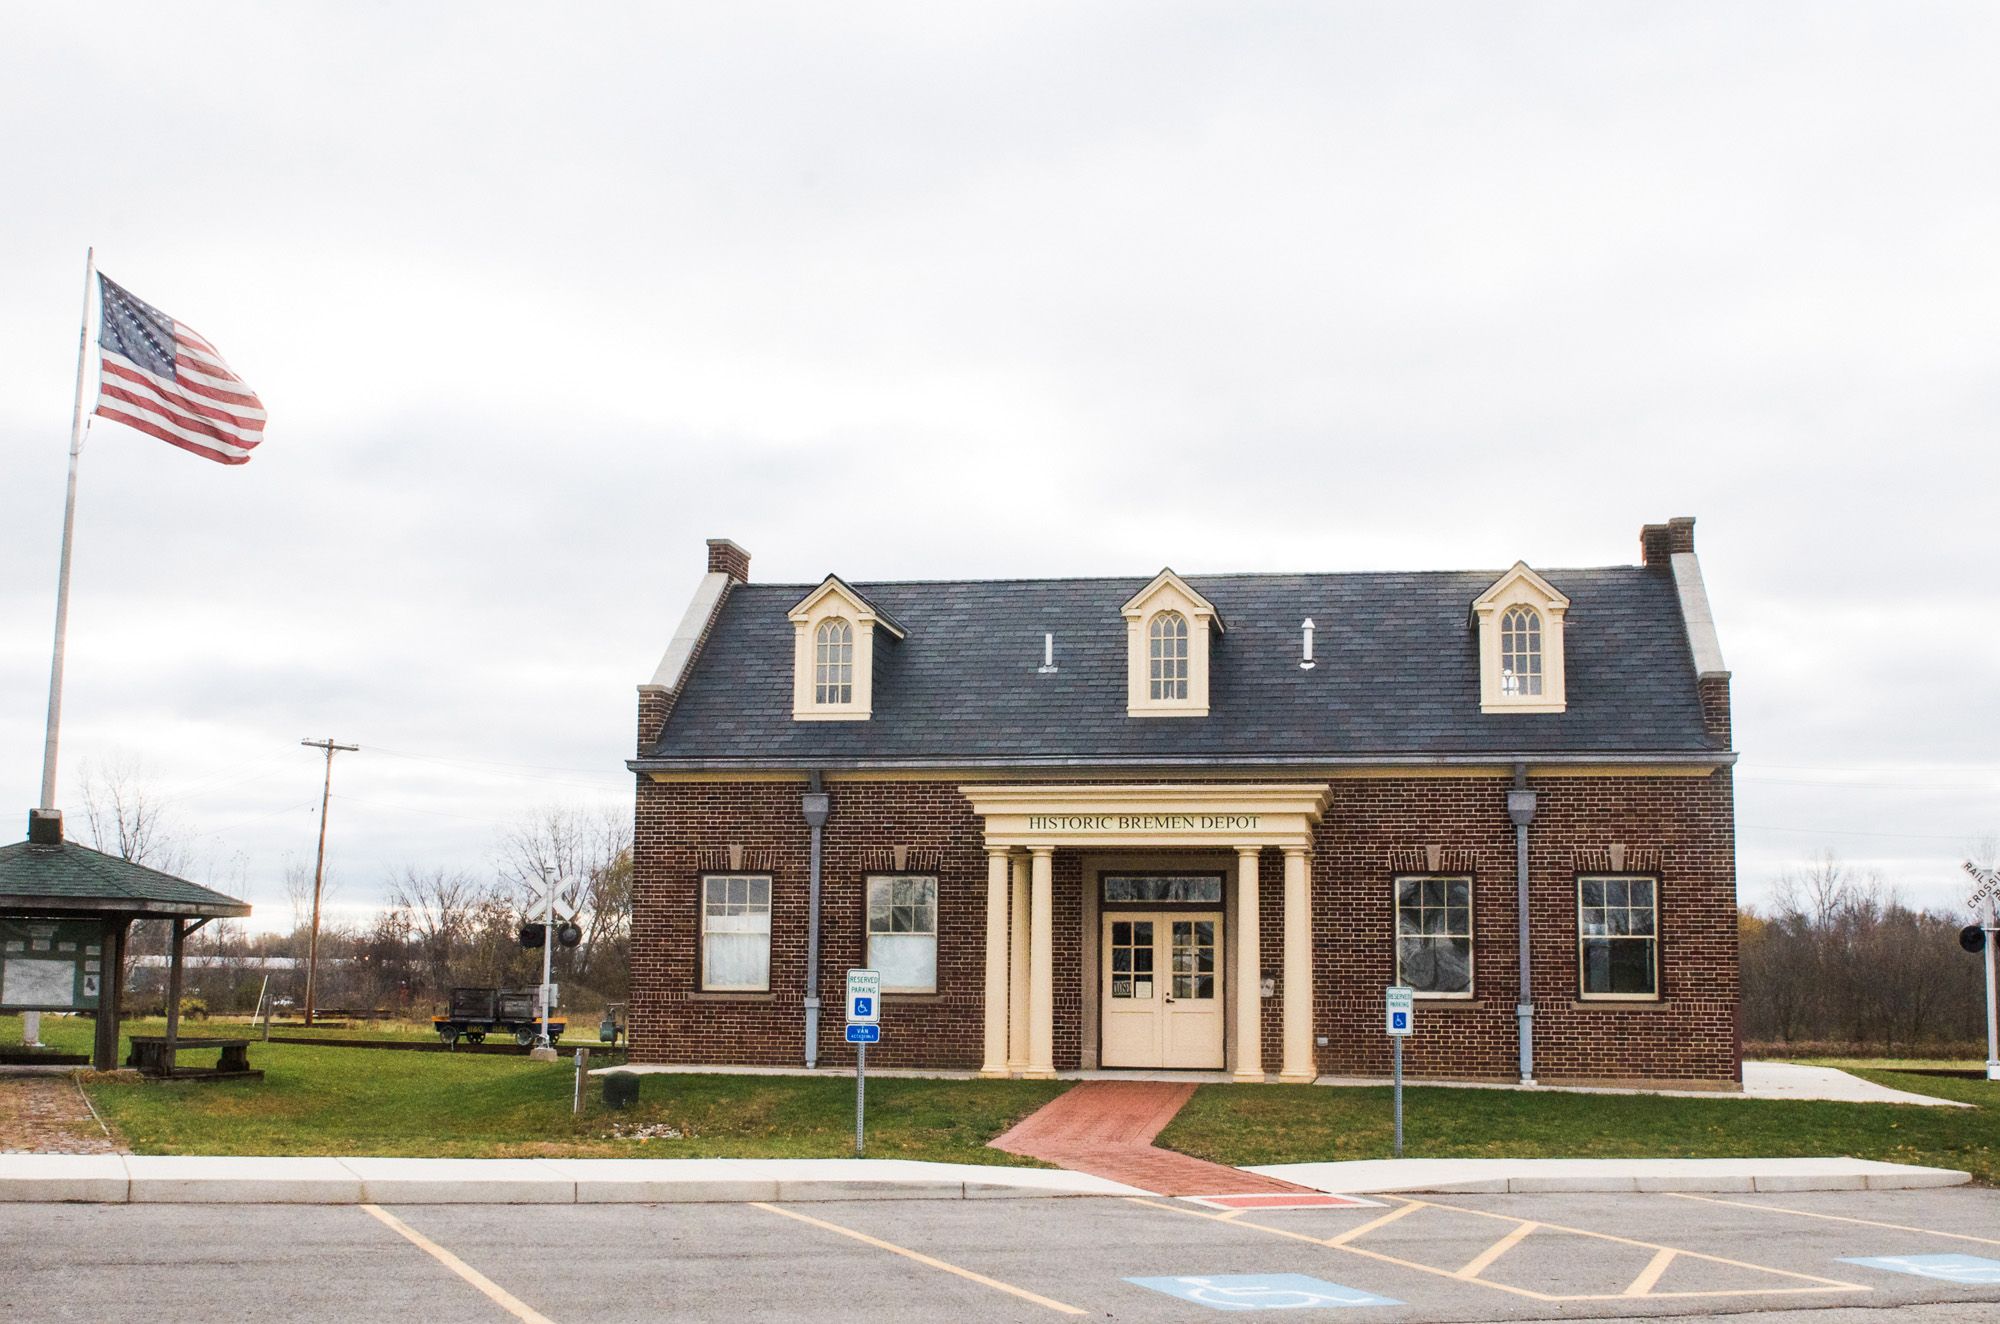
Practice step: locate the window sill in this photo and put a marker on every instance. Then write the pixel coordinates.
(726, 995)
(1449, 1002)
(891, 995)
(1619, 1004)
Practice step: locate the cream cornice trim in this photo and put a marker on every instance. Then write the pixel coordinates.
(1237, 816)
(1136, 605)
(1521, 574)
(1698, 768)
(861, 609)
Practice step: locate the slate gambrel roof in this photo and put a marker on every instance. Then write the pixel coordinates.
(1397, 677)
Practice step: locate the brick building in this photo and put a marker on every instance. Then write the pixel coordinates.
(1196, 823)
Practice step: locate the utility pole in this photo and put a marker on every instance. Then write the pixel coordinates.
(319, 867)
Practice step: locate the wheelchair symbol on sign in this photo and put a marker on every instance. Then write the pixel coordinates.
(864, 1006)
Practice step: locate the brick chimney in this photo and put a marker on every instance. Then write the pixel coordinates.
(1658, 542)
(727, 558)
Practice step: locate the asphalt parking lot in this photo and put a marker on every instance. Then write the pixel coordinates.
(1928, 1255)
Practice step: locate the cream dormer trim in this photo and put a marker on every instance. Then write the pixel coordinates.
(1167, 629)
(833, 653)
(1520, 623)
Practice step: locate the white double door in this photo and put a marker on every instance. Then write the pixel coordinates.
(1161, 1000)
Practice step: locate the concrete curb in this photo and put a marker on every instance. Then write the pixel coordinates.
(1576, 1176)
(194, 1179)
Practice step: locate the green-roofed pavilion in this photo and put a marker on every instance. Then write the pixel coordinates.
(64, 913)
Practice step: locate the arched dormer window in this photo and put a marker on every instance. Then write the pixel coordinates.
(1520, 621)
(1168, 627)
(1167, 653)
(833, 662)
(1521, 652)
(835, 634)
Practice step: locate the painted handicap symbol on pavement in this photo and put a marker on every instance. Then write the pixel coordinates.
(1262, 1291)
(1970, 1269)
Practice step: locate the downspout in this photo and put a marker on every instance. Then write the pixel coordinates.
(813, 804)
(1521, 808)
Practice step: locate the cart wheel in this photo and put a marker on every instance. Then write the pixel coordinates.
(524, 1037)
(448, 1033)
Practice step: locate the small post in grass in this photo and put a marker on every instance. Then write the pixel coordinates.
(860, 1095)
(1400, 1004)
(582, 1061)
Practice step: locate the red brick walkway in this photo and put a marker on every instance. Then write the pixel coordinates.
(1106, 1128)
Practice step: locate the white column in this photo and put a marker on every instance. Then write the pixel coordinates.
(1017, 978)
(1041, 965)
(993, 1061)
(1298, 1068)
(1249, 971)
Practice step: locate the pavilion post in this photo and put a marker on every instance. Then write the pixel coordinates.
(104, 1051)
(179, 945)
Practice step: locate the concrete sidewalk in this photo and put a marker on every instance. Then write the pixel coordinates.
(193, 1179)
(1518, 1176)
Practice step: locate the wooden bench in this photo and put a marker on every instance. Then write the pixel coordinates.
(154, 1056)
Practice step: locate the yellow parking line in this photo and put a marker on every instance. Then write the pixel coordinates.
(497, 1294)
(1829, 1283)
(1355, 1232)
(1818, 1284)
(922, 1258)
(1478, 1263)
(1836, 1218)
(1650, 1275)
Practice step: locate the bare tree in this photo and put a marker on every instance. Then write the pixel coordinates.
(442, 912)
(589, 853)
(299, 893)
(125, 816)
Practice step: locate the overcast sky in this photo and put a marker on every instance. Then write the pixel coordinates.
(539, 297)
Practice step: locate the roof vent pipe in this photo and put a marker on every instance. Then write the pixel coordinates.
(814, 805)
(1048, 667)
(1306, 642)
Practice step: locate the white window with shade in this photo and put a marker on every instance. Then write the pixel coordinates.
(736, 933)
(1167, 637)
(902, 932)
(833, 662)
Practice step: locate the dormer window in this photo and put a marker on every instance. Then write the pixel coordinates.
(1520, 620)
(1167, 631)
(1520, 653)
(833, 662)
(833, 653)
(1168, 636)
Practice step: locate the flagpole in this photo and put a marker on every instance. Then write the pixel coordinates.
(69, 529)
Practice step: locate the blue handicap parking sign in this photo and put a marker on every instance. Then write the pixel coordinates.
(864, 1034)
(1400, 1020)
(864, 1006)
(1971, 1269)
(1262, 1291)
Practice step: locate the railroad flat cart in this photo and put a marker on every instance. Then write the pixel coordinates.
(478, 1012)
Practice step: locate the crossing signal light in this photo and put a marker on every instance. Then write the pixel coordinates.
(533, 936)
(568, 934)
(1972, 938)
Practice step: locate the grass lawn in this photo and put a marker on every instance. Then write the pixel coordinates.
(316, 1100)
(1253, 1124)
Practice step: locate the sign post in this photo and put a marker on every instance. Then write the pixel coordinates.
(1988, 893)
(1400, 1006)
(864, 1027)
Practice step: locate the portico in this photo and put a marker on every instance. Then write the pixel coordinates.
(1218, 827)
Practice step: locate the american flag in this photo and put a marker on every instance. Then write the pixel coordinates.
(160, 377)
